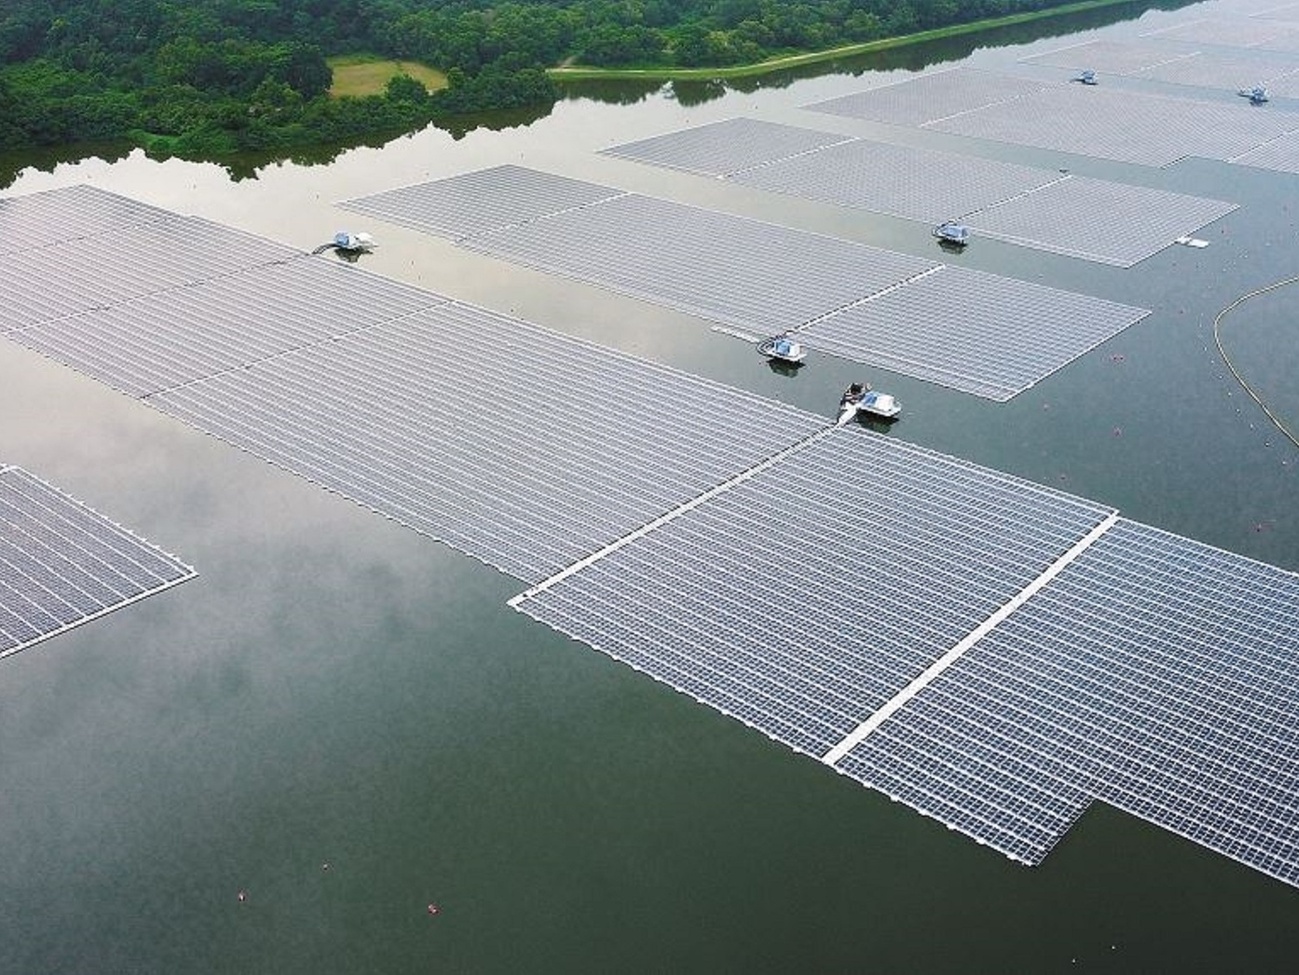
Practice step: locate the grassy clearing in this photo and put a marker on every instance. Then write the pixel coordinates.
(360, 74)
(579, 73)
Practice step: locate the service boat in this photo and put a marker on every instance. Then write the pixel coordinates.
(355, 243)
(859, 398)
(1256, 95)
(781, 348)
(951, 232)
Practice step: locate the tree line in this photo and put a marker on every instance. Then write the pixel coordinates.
(213, 77)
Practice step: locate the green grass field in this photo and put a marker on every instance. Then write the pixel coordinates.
(360, 74)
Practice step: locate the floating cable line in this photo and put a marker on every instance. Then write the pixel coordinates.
(1217, 340)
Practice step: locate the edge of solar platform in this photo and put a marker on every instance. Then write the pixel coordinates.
(187, 572)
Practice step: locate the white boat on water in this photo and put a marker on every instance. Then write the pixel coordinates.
(360, 243)
(859, 398)
(782, 349)
(952, 232)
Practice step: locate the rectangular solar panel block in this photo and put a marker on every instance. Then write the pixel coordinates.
(70, 213)
(740, 272)
(62, 564)
(487, 199)
(802, 598)
(1229, 33)
(928, 97)
(177, 336)
(1154, 673)
(969, 330)
(1281, 155)
(1100, 122)
(725, 148)
(103, 271)
(1112, 57)
(918, 184)
(1097, 220)
(519, 446)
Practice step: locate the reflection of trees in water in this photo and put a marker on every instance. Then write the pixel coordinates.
(249, 164)
(45, 160)
(908, 57)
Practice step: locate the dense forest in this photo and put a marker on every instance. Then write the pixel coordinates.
(214, 77)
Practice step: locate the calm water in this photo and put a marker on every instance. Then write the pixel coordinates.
(334, 689)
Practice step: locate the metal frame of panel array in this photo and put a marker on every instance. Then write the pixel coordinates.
(992, 652)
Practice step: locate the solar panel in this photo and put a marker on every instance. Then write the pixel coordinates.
(1155, 673)
(929, 97)
(725, 148)
(1280, 154)
(488, 199)
(919, 184)
(1097, 220)
(177, 336)
(1101, 123)
(1231, 33)
(739, 272)
(70, 213)
(516, 445)
(803, 598)
(62, 564)
(976, 332)
(95, 272)
(1114, 57)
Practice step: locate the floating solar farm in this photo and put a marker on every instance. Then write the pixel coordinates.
(1087, 121)
(1003, 655)
(62, 564)
(1092, 219)
(841, 297)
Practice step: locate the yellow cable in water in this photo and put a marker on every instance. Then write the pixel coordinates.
(1222, 352)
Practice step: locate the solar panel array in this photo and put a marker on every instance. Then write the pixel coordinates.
(1280, 154)
(725, 148)
(1079, 119)
(1233, 33)
(919, 184)
(1175, 65)
(1082, 217)
(94, 272)
(55, 216)
(797, 576)
(62, 564)
(977, 332)
(760, 277)
(519, 446)
(1097, 220)
(923, 99)
(1101, 123)
(1114, 57)
(1155, 673)
(804, 598)
(488, 199)
(173, 337)
(740, 272)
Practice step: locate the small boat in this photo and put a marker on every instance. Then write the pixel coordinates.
(1088, 77)
(345, 241)
(859, 398)
(951, 232)
(782, 349)
(1256, 95)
